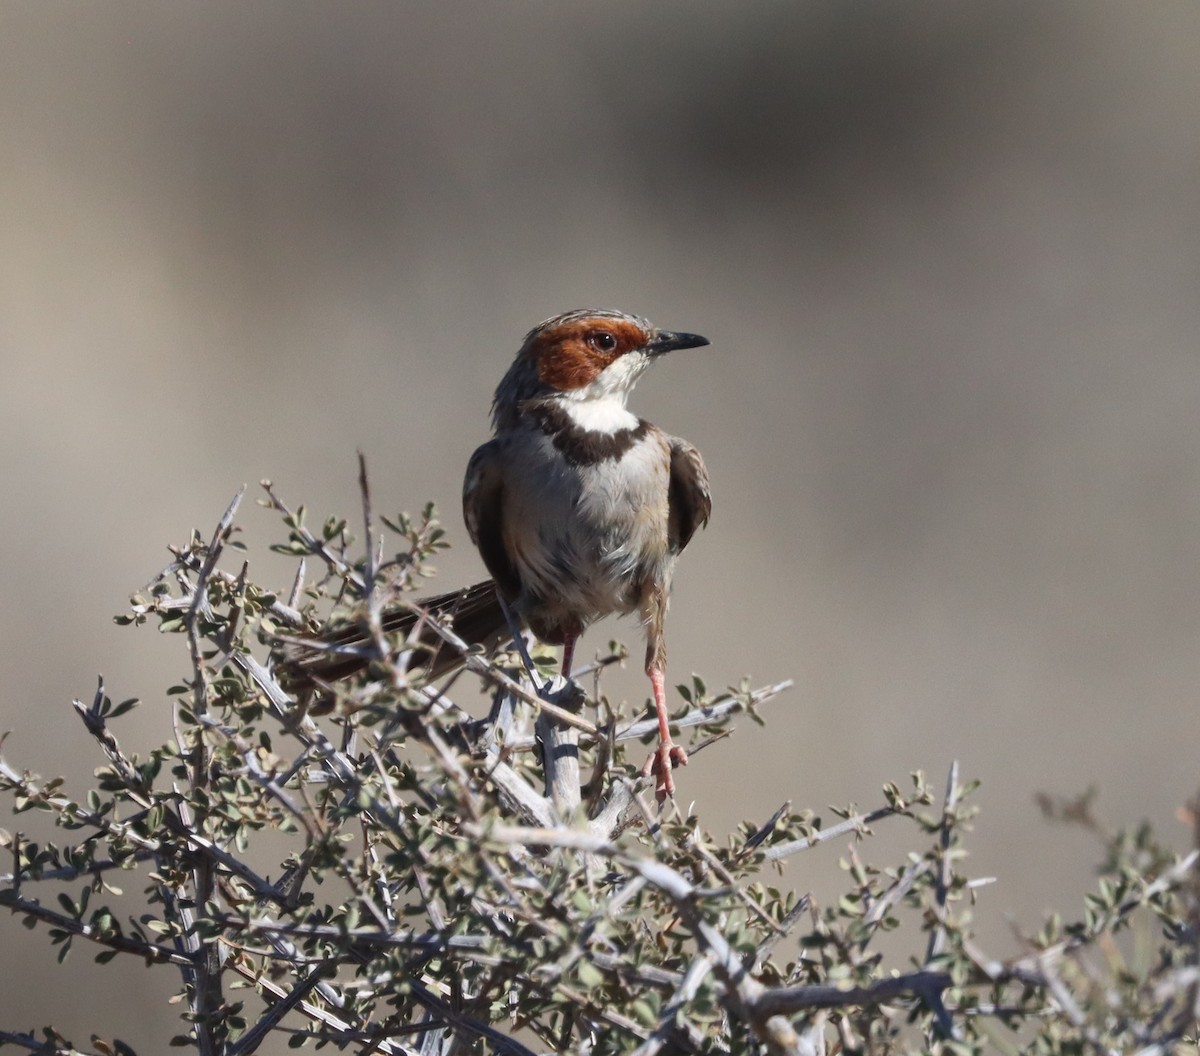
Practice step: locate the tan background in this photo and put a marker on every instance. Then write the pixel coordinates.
(947, 255)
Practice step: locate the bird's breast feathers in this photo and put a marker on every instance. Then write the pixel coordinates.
(588, 529)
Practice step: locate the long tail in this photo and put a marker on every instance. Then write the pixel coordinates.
(473, 612)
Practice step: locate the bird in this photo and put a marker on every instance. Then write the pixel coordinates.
(578, 508)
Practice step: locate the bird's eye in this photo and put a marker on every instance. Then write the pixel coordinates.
(602, 341)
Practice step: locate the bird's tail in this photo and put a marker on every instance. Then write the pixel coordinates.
(474, 614)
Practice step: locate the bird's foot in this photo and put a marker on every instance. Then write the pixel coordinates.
(662, 761)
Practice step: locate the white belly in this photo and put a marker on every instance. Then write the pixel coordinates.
(584, 538)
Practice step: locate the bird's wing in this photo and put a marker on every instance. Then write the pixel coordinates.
(483, 503)
(689, 501)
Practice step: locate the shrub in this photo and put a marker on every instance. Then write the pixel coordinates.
(398, 876)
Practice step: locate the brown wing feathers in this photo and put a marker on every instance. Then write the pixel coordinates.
(689, 501)
(474, 614)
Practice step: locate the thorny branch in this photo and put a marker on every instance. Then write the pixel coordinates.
(590, 922)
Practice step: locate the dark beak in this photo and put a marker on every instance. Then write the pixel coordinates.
(669, 341)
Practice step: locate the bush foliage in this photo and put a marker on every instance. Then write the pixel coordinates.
(383, 872)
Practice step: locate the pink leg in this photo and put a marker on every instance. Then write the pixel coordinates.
(568, 655)
(668, 754)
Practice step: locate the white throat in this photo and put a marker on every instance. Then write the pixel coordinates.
(602, 414)
(599, 406)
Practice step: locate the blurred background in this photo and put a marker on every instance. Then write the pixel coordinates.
(948, 257)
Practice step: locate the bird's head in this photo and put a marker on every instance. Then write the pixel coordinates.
(589, 359)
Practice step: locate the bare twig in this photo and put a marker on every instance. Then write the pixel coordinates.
(720, 710)
(937, 937)
(858, 823)
(205, 994)
(315, 545)
(560, 751)
(787, 1000)
(31, 907)
(335, 1025)
(55, 1046)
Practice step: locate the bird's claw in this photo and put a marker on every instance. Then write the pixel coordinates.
(662, 761)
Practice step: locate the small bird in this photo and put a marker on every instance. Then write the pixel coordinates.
(578, 508)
